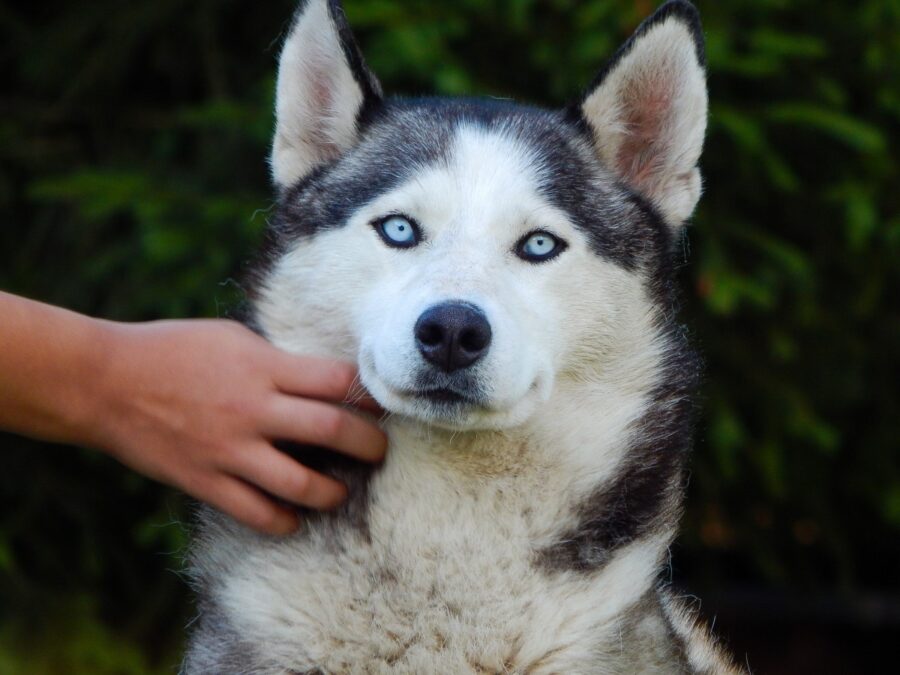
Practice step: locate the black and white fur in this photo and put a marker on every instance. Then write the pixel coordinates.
(522, 519)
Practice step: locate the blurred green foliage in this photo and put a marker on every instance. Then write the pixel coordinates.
(133, 185)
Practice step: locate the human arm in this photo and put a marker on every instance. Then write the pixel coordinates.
(195, 404)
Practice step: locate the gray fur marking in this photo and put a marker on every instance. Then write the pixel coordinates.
(215, 647)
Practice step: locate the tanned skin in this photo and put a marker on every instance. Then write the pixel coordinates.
(195, 404)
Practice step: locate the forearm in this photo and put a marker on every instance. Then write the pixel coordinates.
(49, 360)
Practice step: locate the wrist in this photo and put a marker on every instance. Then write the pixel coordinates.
(92, 390)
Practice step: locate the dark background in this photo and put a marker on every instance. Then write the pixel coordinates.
(133, 186)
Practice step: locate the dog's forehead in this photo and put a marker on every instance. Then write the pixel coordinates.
(486, 178)
(494, 152)
(488, 141)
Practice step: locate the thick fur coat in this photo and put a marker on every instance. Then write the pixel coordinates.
(502, 274)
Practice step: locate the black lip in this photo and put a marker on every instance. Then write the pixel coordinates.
(444, 396)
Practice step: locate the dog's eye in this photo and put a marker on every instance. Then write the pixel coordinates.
(398, 231)
(539, 246)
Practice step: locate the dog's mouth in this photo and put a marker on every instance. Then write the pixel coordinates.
(443, 396)
(447, 407)
(459, 401)
(444, 404)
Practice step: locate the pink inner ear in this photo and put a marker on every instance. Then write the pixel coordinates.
(646, 109)
(321, 88)
(321, 91)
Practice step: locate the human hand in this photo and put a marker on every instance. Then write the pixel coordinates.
(197, 404)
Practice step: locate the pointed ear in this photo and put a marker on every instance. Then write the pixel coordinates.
(324, 90)
(647, 110)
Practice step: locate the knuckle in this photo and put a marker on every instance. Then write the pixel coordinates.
(331, 424)
(253, 409)
(232, 408)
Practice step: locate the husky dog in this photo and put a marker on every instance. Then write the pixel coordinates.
(502, 275)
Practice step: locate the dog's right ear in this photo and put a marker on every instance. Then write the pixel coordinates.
(324, 90)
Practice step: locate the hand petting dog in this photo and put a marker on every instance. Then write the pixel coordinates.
(195, 404)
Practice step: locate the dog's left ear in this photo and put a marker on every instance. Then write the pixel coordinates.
(647, 110)
(324, 92)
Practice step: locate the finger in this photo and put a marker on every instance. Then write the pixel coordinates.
(249, 506)
(322, 379)
(359, 397)
(280, 475)
(317, 423)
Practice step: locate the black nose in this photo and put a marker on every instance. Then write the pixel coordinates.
(453, 335)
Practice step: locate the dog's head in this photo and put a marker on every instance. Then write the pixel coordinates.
(470, 254)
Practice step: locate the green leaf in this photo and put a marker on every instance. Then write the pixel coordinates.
(854, 132)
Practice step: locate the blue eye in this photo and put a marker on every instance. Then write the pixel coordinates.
(398, 231)
(539, 246)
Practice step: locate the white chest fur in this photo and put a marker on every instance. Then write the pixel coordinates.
(442, 577)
